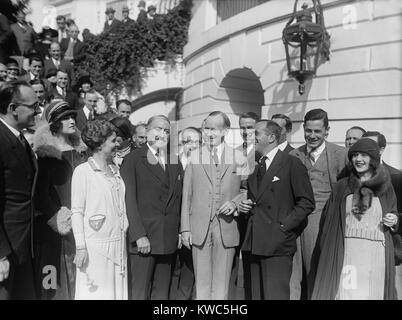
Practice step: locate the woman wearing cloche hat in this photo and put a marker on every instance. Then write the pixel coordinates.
(60, 149)
(354, 254)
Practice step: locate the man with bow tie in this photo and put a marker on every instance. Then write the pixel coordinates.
(211, 194)
(279, 199)
(324, 162)
(153, 180)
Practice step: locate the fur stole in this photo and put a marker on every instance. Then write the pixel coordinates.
(45, 144)
(363, 192)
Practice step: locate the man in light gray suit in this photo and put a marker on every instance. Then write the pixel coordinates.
(211, 194)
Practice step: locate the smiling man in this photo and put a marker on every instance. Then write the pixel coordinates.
(279, 198)
(211, 193)
(153, 182)
(18, 170)
(324, 162)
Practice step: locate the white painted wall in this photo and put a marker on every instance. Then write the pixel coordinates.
(360, 85)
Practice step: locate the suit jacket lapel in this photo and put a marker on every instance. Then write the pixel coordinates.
(205, 161)
(173, 177)
(226, 160)
(276, 164)
(152, 164)
(16, 146)
(252, 183)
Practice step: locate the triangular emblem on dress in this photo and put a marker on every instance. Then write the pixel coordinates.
(96, 222)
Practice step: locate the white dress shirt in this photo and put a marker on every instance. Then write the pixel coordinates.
(13, 130)
(159, 156)
(270, 156)
(283, 146)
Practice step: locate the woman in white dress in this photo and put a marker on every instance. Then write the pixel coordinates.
(99, 219)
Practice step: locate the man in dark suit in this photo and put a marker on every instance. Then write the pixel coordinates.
(297, 271)
(126, 19)
(24, 34)
(8, 44)
(87, 112)
(61, 90)
(56, 62)
(280, 197)
(35, 69)
(112, 25)
(153, 198)
(72, 48)
(18, 172)
(142, 15)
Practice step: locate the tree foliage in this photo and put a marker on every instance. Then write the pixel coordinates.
(117, 60)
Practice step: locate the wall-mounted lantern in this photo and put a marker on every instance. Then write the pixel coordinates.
(308, 39)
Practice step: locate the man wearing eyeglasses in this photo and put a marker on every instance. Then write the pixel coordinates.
(18, 171)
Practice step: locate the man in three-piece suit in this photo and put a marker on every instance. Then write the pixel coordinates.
(18, 172)
(211, 193)
(72, 48)
(280, 197)
(153, 196)
(324, 162)
(112, 25)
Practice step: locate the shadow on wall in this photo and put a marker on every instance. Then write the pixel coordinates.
(243, 91)
(287, 100)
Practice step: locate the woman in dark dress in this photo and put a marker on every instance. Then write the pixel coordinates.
(59, 149)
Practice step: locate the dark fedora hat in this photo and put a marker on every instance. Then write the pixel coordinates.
(110, 10)
(47, 31)
(151, 8)
(125, 9)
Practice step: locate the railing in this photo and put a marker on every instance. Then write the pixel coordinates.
(229, 8)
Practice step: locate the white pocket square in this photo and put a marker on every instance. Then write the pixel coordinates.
(275, 179)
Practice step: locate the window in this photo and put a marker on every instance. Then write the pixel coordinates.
(229, 8)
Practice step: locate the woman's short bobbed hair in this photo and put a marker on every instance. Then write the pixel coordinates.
(96, 132)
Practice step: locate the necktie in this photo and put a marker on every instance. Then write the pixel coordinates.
(160, 160)
(261, 170)
(311, 157)
(91, 115)
(215, 156)
(26, 146)
(245, 149)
